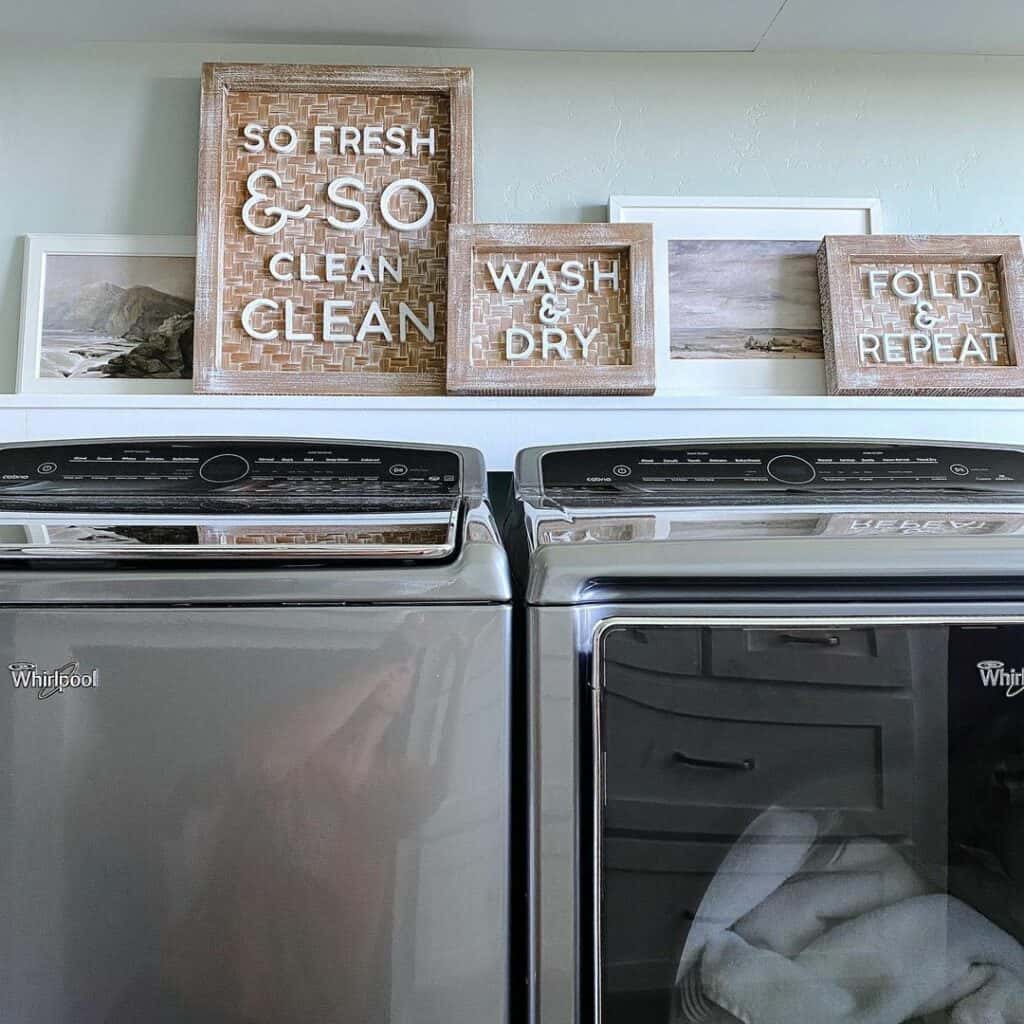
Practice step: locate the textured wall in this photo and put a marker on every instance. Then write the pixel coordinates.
(103, 138)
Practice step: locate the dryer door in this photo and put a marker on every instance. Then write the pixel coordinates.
(808, 820)
(262, 815)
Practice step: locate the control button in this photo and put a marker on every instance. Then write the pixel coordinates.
(959, 469)
(398, 469)
(46, 468)
(622, 470)
(225, 468)
(790, 469)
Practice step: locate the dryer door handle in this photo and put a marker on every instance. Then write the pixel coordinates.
(815, 640)
(747, 764)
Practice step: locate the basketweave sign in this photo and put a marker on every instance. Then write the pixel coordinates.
(551, 309)
(923, 314)
(325, 198)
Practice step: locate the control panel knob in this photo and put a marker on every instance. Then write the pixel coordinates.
(225, 468)
(791, 469)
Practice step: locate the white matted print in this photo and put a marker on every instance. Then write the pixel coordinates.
(735, 288)
(107, 314)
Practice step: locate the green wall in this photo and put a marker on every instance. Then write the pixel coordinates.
(102, 138)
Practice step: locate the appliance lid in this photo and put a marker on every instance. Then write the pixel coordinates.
(601, 517)
(234, 498)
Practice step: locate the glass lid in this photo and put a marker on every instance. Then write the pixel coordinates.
(388, 535)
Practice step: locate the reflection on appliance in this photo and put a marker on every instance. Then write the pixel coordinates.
(704, 726)
(597, 530)
(777, 760)
(298, 853)
(72, 535)
(412, 535)
(677, 524)
(353, 534)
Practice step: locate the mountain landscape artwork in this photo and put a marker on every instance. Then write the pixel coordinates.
(114, 316)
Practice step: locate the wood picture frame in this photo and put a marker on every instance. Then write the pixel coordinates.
(338, 124)
(923, 314)
(728, 222)
(519, 324)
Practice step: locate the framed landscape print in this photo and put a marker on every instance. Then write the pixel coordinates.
(736, 288)
(325, 198)
(743, 299)
(107, 314)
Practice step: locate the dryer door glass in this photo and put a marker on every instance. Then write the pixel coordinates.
(799, 821)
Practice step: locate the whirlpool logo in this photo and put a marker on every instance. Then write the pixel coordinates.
(25, 675)
(995, 673)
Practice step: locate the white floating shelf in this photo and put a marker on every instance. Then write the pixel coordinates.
(438, 403)
(501, 426)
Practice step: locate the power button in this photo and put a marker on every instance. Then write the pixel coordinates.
(791, 469)
(46, 468)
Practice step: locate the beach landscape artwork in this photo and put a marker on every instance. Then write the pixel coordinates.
(116, 316)
(744, 299)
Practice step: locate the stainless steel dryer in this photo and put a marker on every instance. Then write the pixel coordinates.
(256, 734)
(777, 731)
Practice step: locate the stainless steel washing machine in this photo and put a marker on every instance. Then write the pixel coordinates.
(777, 731)
(256, 734)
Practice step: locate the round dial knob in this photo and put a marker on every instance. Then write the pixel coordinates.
(791, 469)
(225, 468)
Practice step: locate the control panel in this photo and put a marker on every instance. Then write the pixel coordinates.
(781, 466)
(251, 469)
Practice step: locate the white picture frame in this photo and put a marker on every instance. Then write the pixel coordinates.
(737, 218)
(39, 251)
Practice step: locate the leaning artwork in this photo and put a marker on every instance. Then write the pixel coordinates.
(117, 317)
(739, 299)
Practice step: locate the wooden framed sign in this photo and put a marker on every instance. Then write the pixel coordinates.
(928, 314)
(325, 198)
(551, 309)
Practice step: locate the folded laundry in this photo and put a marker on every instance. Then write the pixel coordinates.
(799, 926)
(999, 1000)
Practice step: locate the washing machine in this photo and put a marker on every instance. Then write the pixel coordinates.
(256, 734)
(776, 744)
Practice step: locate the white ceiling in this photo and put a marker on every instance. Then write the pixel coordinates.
(938, 26)
(923, 26)
(513, 24)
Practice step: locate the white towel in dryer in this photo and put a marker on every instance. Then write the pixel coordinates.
(798, 927)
